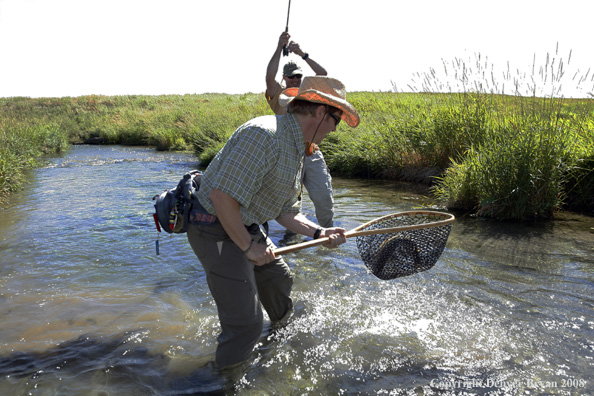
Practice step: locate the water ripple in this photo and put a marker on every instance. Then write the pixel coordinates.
(89, 308)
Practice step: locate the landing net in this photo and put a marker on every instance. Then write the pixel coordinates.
(395, 254)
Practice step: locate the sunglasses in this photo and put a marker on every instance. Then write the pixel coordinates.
(295, 76)
(335, 117)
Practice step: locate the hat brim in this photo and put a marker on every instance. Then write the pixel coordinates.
(349, 114)
(293, 72)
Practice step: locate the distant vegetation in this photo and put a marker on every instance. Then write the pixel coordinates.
(500, 156)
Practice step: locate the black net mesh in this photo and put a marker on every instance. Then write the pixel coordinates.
(393, 255)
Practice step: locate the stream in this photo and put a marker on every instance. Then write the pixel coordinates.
(89, 308)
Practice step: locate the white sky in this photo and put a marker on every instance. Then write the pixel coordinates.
(54, 48)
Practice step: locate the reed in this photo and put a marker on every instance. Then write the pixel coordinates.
(22, 145)
(485, 146)
(516, 174)
(30, 128)
(524, 156)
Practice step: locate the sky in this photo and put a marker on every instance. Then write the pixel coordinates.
(57, 48)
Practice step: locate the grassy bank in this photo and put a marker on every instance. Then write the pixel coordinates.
(22, 142)
(507, 157)
(499, 156)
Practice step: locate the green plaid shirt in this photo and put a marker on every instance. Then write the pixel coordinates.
(260, 167)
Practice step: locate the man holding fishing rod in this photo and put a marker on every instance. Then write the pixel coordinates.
(316, 178)
(255, 178)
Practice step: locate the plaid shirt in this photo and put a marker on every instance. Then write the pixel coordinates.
(260, 167)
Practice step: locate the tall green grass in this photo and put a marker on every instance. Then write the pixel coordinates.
(22, 144)
(30, 128)
(517, 156)
(526, 155)
(519, 171)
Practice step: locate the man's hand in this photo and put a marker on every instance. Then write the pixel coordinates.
(294, 47)
(283, 40)
(260, 254)
(336, 235)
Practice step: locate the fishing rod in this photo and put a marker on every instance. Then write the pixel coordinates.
(286, 47)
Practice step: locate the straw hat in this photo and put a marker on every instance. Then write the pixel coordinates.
(323, 90)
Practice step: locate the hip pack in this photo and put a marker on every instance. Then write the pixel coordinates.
(177, 207)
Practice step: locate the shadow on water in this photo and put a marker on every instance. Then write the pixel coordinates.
(111, 365)
(541, 246)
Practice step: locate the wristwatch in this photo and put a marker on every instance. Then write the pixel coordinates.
(317, 233)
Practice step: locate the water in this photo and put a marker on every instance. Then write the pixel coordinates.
(88, 308)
